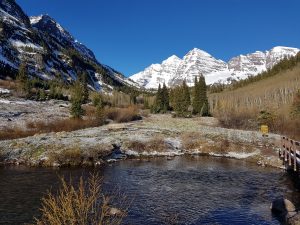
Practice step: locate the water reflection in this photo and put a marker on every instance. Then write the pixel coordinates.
(193, 190)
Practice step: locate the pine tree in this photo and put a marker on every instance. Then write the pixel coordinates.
(196, 98)
(165, 99)
(158, 101)
(203, 97)
(186, 96)
(181, 100)
(83, 80)
(100, 115)
(23, 80)
(77, 100)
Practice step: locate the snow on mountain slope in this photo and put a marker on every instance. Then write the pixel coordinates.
(197, 62)
(158, 73)
(49, 50)
(52, 28)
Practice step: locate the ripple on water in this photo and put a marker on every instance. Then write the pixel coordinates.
(198, 190)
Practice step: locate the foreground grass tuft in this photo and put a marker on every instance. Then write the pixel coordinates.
(81, 205)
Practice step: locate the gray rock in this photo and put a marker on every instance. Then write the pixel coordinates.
(282, 206)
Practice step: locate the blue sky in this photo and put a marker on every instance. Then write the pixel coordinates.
(129, 35)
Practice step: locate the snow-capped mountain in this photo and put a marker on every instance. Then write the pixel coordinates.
(197, 62)
(49, 50)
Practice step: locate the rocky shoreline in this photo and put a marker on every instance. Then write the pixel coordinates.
(156, 135)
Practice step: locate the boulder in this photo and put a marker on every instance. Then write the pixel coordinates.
(115, 212)
(283, 207)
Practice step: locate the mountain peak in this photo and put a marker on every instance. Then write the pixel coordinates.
(45, 21)
(199, 52)
(171, 60)
(283, 48)
(197, 61)
(41, 18)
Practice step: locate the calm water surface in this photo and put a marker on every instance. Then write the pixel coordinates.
(198, 190)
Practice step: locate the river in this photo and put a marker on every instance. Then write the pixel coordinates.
(198, 190)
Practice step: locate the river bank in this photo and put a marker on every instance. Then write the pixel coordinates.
(156, 135)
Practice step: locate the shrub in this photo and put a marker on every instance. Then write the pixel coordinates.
(46, 127)
(155, 144)
(81, 205)
(123, 115)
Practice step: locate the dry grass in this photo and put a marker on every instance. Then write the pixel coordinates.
(119, 115)
(39, 127)
(123, 115)
(81, 205)
(240, 108)
(8, 84)
(70, 157)
(192, 141)
(154, 144)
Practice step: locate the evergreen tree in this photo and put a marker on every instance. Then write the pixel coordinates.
(24, 82)
(203, 97)
(100, 115)
(186, 96)
(157, 107)
(77, 100)
(83, 80)
(165, 99)
(196, 98)
(181, 100)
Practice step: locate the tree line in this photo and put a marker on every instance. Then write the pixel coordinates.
(183, 101)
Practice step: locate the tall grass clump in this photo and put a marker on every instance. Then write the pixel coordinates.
(123, 115)
(82, 204)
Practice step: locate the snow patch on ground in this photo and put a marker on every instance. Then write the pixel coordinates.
(4, 91)
(153, 153)
(236, 155)
(27, 102)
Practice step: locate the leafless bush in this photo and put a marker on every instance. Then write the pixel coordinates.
(81, 205)
(123, 115)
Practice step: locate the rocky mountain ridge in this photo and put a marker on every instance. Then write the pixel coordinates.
(49, 51)
(197, 62)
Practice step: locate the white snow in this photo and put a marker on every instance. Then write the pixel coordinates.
(5, 60)
(4, 91)
(25, 102)
(236, 155)
(20, 44)
(174, 70)
(35, 19)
